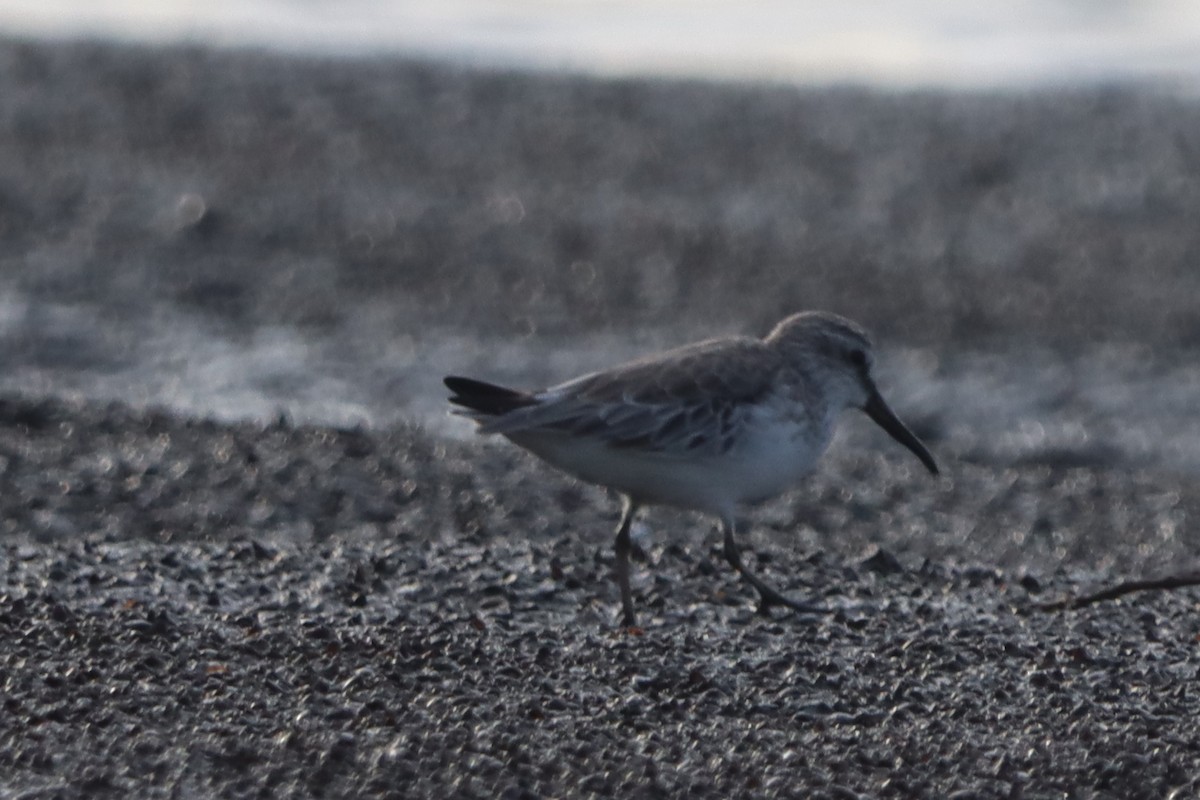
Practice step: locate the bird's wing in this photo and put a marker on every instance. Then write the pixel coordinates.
(690, 399)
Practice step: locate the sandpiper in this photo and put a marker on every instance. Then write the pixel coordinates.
(706, 427)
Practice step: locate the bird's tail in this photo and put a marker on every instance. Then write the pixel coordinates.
(485, 399)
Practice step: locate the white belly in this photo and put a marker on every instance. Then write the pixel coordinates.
(768, 458)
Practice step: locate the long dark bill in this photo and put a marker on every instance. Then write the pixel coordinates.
(878, 410)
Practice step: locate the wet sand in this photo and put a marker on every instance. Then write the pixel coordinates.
(194, 608)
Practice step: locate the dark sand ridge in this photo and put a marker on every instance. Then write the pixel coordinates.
(190, 608)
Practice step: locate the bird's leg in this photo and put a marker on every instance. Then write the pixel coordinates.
(638, 553)
(767, 595)
(622, 547)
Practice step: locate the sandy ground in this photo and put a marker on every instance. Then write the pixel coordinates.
(193, 609)
(189, 609)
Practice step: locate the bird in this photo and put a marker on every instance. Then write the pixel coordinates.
(708, 427)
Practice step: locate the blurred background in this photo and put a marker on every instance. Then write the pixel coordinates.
(241, 209)
(880, 42)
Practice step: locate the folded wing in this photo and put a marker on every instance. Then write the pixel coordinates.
(684, 401)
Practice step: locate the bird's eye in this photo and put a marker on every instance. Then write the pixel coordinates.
(858, 358)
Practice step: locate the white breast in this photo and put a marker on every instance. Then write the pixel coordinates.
(774, 453)
(771, 454)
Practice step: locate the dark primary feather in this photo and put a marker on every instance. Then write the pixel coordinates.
(486, 398)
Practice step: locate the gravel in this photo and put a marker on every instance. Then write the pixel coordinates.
(191, 609)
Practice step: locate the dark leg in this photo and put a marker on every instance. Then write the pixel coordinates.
(767, 596)
(623, 546)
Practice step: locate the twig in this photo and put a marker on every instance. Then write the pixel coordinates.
(1167, 582)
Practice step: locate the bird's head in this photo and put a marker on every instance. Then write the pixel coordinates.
(838, 353)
